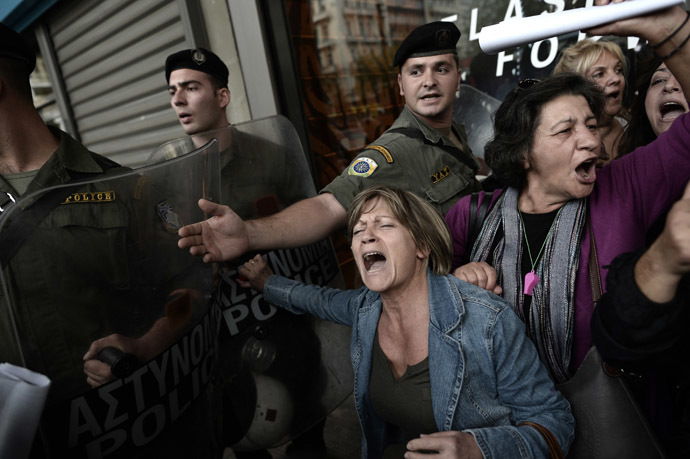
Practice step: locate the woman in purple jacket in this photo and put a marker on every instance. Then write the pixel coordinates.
(535, 245)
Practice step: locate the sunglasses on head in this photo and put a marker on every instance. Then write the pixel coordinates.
(526, 83)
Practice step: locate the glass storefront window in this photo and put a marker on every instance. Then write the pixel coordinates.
(344, 51)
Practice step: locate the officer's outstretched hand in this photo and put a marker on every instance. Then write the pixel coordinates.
(222, 237)
(255, 273)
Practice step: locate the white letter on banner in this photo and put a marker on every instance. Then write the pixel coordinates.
(534, 57)
(559, 4)
(474, 34)
(502, 59)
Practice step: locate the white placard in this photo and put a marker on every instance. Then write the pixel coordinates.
(520, 31)
(22, 396)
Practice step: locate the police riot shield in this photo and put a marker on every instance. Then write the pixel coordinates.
(474, 109)
(281, 373)
(97, 296)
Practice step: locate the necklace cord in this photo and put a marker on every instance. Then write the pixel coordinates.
(533, 262)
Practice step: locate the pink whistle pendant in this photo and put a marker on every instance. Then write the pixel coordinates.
(531, 279)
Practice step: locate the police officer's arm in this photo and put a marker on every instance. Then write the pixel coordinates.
(160, 336)
(99, 372)
(225, 235)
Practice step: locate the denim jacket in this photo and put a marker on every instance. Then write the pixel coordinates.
(486, 376)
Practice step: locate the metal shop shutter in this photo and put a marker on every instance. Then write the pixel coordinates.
(109, 56)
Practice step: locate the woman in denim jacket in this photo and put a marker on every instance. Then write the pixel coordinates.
(440, 365)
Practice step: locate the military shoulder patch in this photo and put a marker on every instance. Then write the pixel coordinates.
(362, 167)
(170, 218)
(383, 150)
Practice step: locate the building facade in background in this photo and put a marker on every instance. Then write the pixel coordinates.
(324, 64)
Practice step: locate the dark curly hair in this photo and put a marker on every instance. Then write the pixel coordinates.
(517, 118)
(639, 130)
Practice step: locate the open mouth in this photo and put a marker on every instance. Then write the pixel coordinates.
(373, 261)
(184, 116)
(430, 97)
(671, 110)
(613, 96)
(586, 171)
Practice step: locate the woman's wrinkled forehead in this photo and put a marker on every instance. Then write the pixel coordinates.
(566, 107)
(368, 206)
(661, 68)
(361, 211)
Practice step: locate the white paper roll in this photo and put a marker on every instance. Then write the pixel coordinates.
(22, 396)
(519, 31)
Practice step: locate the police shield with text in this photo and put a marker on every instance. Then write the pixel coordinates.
(97, 296)
(282, 373)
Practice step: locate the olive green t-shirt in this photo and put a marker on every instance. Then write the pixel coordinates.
(20, 180)
(404, 403)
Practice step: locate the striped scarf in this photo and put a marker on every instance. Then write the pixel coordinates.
(551, 314)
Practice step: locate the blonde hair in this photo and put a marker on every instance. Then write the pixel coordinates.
(581, 56)
(425, 224)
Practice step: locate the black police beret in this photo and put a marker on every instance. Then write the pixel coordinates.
(14, 46)
(199, 59)
(428, 40)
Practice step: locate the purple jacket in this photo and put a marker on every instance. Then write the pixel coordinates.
(629, 195)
